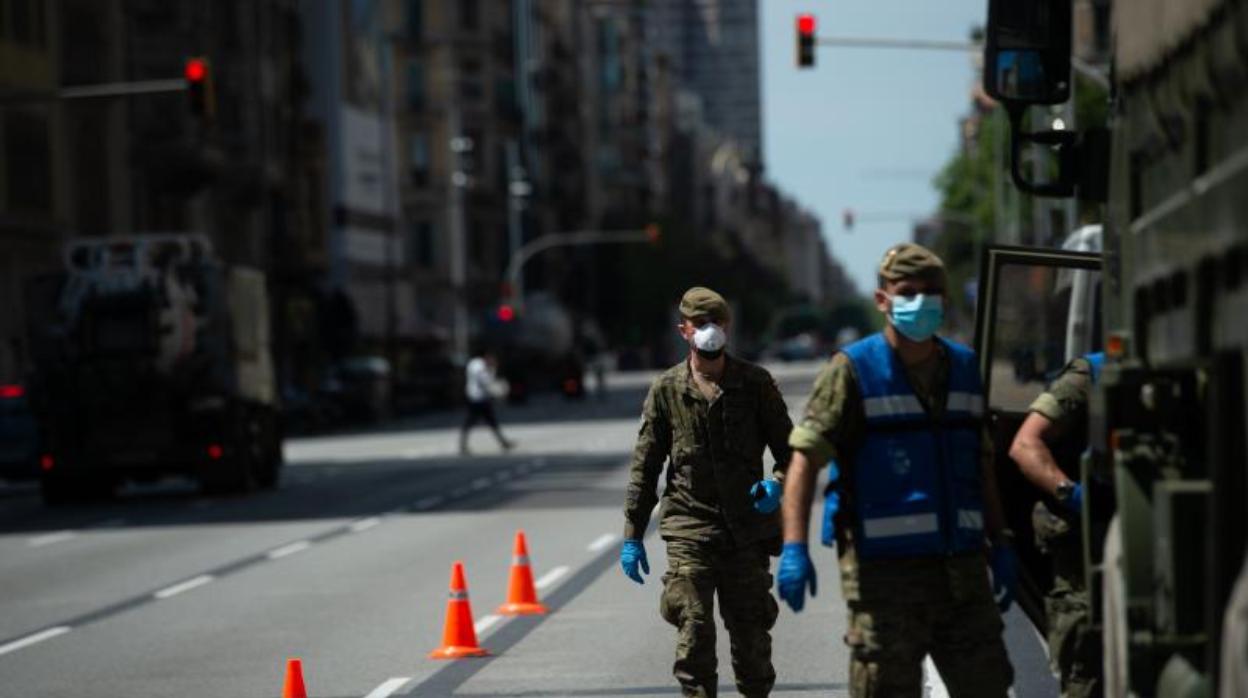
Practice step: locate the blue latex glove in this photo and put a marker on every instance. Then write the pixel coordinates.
(1004, 564)
(1075, 503)
(766, 494)
(831, 505)
(794, 573)
(632, 554)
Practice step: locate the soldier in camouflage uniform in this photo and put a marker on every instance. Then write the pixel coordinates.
(900, 413)
(1046, 449)
(710, 417)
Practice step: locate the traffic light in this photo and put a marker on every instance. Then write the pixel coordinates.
(201, 97)
(805, 41)
(506, 313)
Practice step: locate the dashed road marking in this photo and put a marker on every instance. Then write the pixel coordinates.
(183, 586)
(51, 538)
(486, 623)
(601, 542)
(481, 483)
(365, 524)
(34, 639)
(502, 477)
(429, 502)
(286, 550)
(459, 492)
(552, 576)
(389, 687)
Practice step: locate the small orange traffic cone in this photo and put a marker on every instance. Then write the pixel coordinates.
(294, 687)
(521, 594)
(459, 637)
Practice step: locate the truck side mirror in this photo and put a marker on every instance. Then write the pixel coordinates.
(1027, 53)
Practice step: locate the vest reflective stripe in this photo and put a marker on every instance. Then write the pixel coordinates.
(966, 402)
(891, 526)
(970, 518)
(893, 406)
(917, 483)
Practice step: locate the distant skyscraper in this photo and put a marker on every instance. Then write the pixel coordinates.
(712, 51)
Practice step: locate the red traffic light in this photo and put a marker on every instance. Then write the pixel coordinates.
(654, 234)
(506, 313)
(806, 24)
(196, 69)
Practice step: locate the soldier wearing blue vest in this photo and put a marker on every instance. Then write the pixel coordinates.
(918, 518)
(1046, 449)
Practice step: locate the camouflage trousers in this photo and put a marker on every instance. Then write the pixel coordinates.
(741, 577)
(903, 610)
(1074, 648)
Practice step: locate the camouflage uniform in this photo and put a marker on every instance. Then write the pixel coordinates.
(903, 609)
(716, 541)
(1074, 648)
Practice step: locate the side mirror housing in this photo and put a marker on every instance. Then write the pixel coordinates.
(1027, 53)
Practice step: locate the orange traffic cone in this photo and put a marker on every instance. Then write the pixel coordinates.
(521, 594)
(294, 687)
(459, 637)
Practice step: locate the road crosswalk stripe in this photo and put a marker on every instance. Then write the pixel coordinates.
(388, 688)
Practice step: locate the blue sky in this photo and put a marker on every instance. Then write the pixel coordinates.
(865, 129)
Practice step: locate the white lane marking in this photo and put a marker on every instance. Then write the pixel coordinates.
(51, 538)
(502, 477)
(486, 623)
(481, 483)
(33, 639)
(429, 502)
(183, 586)
(933, 686)
(364, 524)
(601, 542)
(552, 576)
(459, 492)
(296, 547)
(389, 687)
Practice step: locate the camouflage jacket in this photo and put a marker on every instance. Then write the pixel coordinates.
(715, 450)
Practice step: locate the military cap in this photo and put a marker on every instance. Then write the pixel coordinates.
(699, 301)
(909, 260)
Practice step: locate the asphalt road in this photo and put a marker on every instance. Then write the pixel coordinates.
(162, 592)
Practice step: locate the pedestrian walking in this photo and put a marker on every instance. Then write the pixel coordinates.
(710, 418)
(479, 392)
(1047, 449)
(918, 516)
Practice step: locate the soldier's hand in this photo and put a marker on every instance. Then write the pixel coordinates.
(1004, 564)
(632, 555)
(767, 495)
(794, 573)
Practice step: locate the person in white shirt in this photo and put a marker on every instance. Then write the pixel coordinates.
(479, 391)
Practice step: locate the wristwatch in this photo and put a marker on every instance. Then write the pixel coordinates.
(1064, 492)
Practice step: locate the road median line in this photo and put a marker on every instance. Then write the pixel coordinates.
(287, 550)
(183, 587)
(34, 639)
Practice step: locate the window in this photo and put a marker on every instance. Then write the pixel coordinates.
(415, 84)
(418, 159)
(422, 245)
(28, 157)
(415, 18)
(469, 14)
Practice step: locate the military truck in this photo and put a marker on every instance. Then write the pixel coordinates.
(151, 359)
(1168, 419)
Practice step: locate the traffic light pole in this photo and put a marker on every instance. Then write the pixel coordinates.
(101, 91)
(514, 277)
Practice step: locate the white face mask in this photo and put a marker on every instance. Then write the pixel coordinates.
(709, 340)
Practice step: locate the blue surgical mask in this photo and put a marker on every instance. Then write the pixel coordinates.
(918, 316)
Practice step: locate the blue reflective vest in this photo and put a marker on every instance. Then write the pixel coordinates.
(916, 479)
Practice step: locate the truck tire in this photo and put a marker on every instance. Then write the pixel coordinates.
(235, 473)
